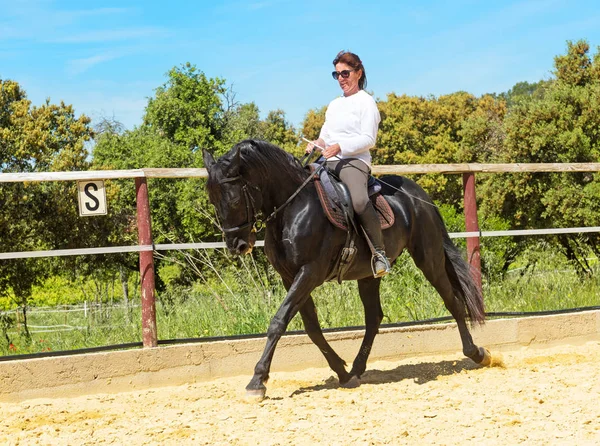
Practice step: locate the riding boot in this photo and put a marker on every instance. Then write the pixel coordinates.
(370, 223)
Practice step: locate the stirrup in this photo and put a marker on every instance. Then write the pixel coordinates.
(380, 265)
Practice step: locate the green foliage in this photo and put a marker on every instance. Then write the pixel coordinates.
(558, 127)
(454, 220)
(574, 68)
(179, 206)
(36, 216)
(277, 130)
(172, 201)
(242, 122)
(169, 274)
(187, 109)
(542, 279)
(7, 322)
(313, 121)
(58, 290)
(449, 129)
(524, 91)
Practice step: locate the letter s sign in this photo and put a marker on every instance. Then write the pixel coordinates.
(92, 197)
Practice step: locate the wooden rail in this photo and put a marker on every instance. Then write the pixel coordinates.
(397, 169)
(407, 169)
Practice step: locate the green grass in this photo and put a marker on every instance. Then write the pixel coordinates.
(241, 301)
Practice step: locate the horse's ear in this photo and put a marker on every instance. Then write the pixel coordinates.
(234, 166)
(209, 160)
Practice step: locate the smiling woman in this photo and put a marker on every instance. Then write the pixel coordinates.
(348, 134)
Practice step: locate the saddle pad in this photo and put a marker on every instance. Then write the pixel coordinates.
(336, 215)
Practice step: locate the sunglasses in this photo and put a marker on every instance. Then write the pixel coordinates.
(344, 74)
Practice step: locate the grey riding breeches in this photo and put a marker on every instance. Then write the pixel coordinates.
(354, 174)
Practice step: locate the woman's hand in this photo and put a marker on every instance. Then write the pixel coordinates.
(312, 145)
(332, 151)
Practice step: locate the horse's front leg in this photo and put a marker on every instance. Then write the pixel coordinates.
(304, 283)
(369, 295)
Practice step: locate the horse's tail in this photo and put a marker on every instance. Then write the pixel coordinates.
(461, 278)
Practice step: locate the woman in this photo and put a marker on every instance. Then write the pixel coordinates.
(350, 130)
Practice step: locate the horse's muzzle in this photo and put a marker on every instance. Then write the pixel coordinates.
(241, 245)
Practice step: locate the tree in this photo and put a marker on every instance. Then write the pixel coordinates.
(523, 91)
(242, 122)
(559, 127)
(431, 130)
(188, 111)
(170, 199)
(277, 130)
(188, 108)
(574, 68)
(36, 216)
(313, 121)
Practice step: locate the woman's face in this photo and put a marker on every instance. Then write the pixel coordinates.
(348, 85)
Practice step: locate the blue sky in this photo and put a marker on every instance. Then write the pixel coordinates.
(106, 58)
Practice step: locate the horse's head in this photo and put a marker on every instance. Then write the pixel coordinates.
(235, 200)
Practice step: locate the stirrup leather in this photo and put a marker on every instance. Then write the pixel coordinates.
(380, 265)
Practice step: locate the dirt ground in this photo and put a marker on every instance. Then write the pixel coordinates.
(547, 395)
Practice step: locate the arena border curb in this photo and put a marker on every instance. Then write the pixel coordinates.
(128, 370)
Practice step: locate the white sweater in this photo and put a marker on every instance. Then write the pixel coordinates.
(352, 122)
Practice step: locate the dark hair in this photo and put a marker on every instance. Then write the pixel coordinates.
(352, 60)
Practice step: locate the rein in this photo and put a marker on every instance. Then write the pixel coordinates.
(251, 213)
(289, 200)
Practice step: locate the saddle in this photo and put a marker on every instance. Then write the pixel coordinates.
(337, 203)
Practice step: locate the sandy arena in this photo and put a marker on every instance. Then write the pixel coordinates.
(547, 395)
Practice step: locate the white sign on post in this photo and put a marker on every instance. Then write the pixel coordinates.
(92, 197)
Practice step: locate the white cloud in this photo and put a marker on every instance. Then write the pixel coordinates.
(110, 35)
(126, 110)
(78, 66)
(36, 21)
(76, 14)
(240, 6)
(261, 5)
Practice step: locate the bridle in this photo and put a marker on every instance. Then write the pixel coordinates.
(250, 211)
(251, 214)
(251, 219)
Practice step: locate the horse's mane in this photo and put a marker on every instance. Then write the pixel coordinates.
(264, 157)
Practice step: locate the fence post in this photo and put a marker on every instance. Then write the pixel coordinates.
(144, 223)
(472, 225)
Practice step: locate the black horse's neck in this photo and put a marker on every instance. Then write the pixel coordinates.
(276, 173)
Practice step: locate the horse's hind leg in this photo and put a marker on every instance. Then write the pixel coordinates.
(434, 269)
(314, 332)
(368, 289)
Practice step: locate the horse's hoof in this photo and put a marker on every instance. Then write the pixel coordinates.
(255, 395)
(487, 358)
(352, 383)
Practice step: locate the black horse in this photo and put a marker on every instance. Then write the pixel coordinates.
(257, 178)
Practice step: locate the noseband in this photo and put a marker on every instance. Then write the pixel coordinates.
(250, 212)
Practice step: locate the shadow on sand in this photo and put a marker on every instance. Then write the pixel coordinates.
(420, 373)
